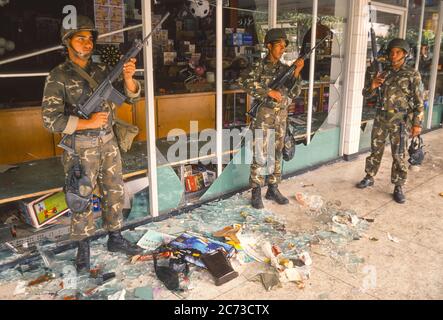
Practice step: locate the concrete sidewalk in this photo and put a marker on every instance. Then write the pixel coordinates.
(410, 269)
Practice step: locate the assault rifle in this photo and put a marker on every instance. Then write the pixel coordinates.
(379, 68)
(105, 91)
(281, 80)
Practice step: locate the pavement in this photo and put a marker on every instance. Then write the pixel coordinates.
(409, 269)
(407, 266)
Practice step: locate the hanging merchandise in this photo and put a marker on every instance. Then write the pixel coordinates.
(110, 55)
(199, 8)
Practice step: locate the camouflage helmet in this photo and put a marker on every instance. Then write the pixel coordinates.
(399, 43)
(83, 24)
(276, 34)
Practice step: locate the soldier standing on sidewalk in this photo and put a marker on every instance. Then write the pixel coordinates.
(271, 116)
(95, 144)
(400, 112)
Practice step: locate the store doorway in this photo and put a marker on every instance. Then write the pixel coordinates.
(389, 22)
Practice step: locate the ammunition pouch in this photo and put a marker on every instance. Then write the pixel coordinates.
(125, 134)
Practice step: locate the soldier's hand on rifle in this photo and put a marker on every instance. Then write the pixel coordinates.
(128, 73)
(276, 95)
(299, 63)
(129, 69)
(415, 131)
(378, 81)
(98, 120)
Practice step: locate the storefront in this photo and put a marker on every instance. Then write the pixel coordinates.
(189, 72)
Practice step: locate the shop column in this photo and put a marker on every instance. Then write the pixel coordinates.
(357, 41)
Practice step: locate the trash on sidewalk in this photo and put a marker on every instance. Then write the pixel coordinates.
(194, 245)
(149, 257)
(269, 253)
(393, 239)
(20, 288)
(43, 278)
(153, 239)
(313, 202)
(119, 295)
(229, 232)
(219, 267)
(269, 280)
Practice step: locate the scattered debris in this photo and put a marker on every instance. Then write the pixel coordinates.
(229, 232)
(269, 280)
(393, 239)
(373, 239)
(313, 202)
(248, 235)
(119, 295)
(20, 288)
(43, 278)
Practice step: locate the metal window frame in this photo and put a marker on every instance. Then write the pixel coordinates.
(434, 66)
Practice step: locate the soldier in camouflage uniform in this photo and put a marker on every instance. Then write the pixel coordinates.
(95, 143)
(400, 112)
(269, 127)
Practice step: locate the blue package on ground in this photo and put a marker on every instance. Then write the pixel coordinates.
(201, 244)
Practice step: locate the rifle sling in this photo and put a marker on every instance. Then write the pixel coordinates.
(92, 83)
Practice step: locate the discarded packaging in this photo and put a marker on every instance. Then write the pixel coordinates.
(269, 280)
(219, 267)
(153, 239)
(44, 278)
(267, 250)
(306, 258)
(229, 232)
(293, 275)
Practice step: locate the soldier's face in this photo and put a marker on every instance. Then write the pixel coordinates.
(277, 49)
(83, 43)
(397, 56)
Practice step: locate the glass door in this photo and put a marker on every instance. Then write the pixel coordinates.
(389, 22)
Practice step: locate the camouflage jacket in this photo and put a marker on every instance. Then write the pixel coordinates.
(402, 92)
(256, 79)
(64, 87)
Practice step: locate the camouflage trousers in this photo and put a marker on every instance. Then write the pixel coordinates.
(383, 127)
(102, 164)
(269, 131)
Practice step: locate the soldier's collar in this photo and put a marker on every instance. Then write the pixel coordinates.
(267, 60)
(87, 66)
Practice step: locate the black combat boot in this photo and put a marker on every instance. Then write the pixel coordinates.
(256, 201)
(399, 197)
(366, 182)
(82, 261)
(274, 194)
(116, 243)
